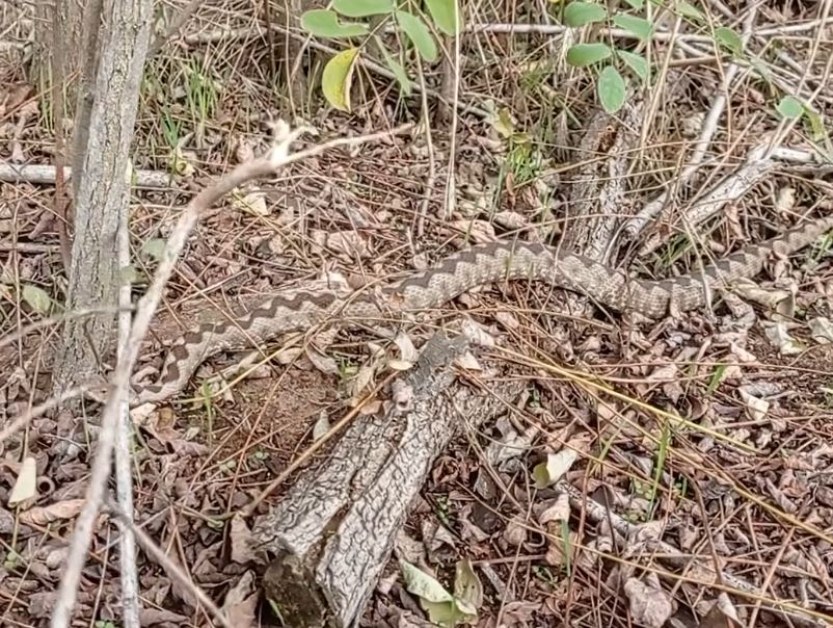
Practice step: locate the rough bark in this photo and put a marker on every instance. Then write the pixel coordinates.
(70, 16)
(103, 191)
(332, 534)
(598, 194)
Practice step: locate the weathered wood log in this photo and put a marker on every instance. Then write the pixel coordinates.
(333, 533)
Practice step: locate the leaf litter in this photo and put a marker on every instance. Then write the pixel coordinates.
(733, 425)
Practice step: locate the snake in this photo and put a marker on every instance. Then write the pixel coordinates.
(479, 265)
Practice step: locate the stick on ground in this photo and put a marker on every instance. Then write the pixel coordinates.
(332, 534)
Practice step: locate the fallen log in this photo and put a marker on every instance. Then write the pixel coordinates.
(333, 533)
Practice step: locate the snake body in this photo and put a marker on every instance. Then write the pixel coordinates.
(477, 266)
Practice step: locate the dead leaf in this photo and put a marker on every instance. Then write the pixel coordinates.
(477, 333)
(649, 605)
(481, 231)
(468, 362)
(556, 512)
(43, 515)
(779, 337)
(25, 487)
(510, 220)
(778, 300)
(321, 427)
(519, 613)
(242, 544)
(159, 617)
(511, 445)
(321, 361)
(400, 365)
(244, 151)
(241, 602)
(363, 379)
(560, 545)
(515, 533)
(721, 615)
(557, 464)
(755, 406)
(821, 329)
(785, 200)
(348, 244)
(407, 351)
(255, 202)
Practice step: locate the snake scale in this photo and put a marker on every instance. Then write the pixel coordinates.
(477, 266)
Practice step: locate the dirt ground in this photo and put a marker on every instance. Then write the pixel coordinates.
(706, 439)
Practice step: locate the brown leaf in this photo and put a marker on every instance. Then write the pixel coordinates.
(158, 616)
(649, 605)
(43, 515)
(241, 602)
(717, 617)
(242, 550)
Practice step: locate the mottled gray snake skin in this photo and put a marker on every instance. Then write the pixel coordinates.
(480, 265)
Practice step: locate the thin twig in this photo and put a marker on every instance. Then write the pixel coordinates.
(450, 180)
(54, 320)
(428, 192)
(123, 463)
(788, 124)
(635, 225)
(61, 198)
(44, 174)
(258, 168)
(170, 567)
(177, 24)
(22, 421)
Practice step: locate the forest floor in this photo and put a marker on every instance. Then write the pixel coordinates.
(710, 433)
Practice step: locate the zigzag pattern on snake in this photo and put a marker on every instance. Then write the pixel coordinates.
(477, 266)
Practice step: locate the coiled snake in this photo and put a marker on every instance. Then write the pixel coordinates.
(477, 266)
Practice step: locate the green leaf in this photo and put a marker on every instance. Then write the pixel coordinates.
(336, 79)
(640, 27)
(422, 584)
(635, 62)
(467, 586)
(443, 608)
(442, 12)
(397, 69)
(130, 274)
(418, 33)
(582, 55)
(155, 248)
(790, 107)
(689, 10)
(324, 23)
(37, 299)
(581, 13)
(362, 8)
(503, 123)
(729, 39)
(818, 131)
(761, 69)
(636, 4)
(611, 89)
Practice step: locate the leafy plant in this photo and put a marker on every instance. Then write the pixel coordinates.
(402, 16)
(613, 64)
(611, 85)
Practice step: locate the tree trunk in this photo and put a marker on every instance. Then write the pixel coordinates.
(70, 15)
(102, 188)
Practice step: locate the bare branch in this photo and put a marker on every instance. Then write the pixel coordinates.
(255, 169)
